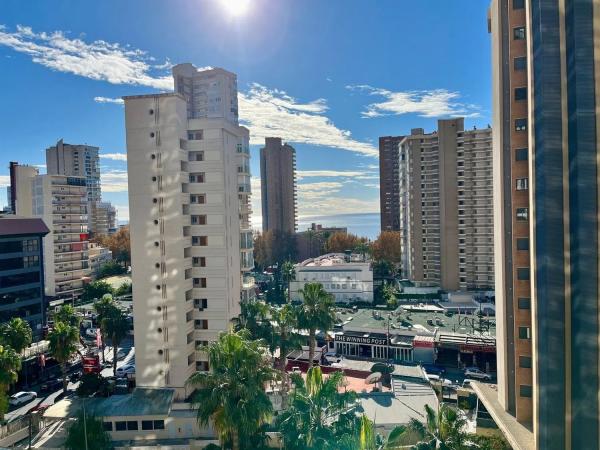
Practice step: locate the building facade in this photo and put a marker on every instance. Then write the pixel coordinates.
(389, 182)
(98, 257)
(347, 277)
(104, 218)
(191, 242)
(22, 271)
(546, 95)
(446, 217)
(19, 192)
(278, 186)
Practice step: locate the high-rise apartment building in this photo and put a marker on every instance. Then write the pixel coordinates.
(105, 217)
(445, 214)
(21, 271)
(389, 182)
(19, 191)
(61, 202)
(278, 186)
(191, 241)
(546, 98)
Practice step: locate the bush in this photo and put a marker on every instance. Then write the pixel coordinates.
(96, 290)
(124, 289)
(111, 268)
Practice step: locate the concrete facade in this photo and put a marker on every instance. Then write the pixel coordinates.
(191, 243)
(445, 207)
(278, 186)
(19, 198)
(389, 182)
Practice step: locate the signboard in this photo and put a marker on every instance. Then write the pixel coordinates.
(360, 340)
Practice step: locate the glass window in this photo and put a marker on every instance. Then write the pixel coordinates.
(522, 243)
(520, 93)
(519, 33)
(525, 362)
(121, 426)
(518, 4)
(146, 425)
(524, 303)
(520, 63)
(524, 333)
(525, 390)
(520, 124)
(521, 154)
(523, 273)
(195, 135)
(159, 424)
(522, 184)
(132, 425)
(522, 213)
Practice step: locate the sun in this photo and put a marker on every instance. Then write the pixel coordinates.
(236, 7)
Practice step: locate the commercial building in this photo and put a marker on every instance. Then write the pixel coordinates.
(347, 277)
(389, 182)
(22, 271)
(191, 241)
(446, 217)
(546, 94)
(19, 192)
(278, 186)
(61, 202)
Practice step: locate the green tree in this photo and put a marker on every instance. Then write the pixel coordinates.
(363, 248)
(288, 273)
(102, 308)
(285, 321)
(91, 435)
(115, 326)
(66, 314)
(124, 289)
(254, 318)
(232, 394)
(389, 295)
(319, 416)
(63, 344)
(96, 290)
(10, 364)
(315, 313)
(111, 268)
(16, 333)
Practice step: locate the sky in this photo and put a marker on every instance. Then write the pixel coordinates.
(329, 77)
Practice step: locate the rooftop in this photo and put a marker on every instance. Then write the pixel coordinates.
(332, 259)
(20, 226)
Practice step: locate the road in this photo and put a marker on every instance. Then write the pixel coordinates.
(19, 411)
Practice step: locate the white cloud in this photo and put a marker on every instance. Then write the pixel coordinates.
(98, 60)
(4, 181)
(300, 174)
(339, 205)
(118, 101)
(114, 156)
(271, 112)
(115, 181)
(426, 103)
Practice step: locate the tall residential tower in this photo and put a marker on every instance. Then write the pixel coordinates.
(389, 182)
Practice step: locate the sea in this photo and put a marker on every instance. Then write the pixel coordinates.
(366, 224)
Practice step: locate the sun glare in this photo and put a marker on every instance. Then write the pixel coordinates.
(236, 7)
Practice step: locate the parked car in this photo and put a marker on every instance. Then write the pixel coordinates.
(474, 372)
(466, 383)
(90, 332)
(52, 385)
(125, 370)
(21, 397)
(432, 369)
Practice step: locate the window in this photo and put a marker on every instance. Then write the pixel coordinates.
(159, 424)
(520, 124)
(201, 241)
(522, 213)
(520, 93)
(108, 426)
(197, 177)
(523, 273)
(519, 33)
(518, 4)
(202, 366)
(132, 425)
(198, 219)
(198, 199)
(520, 63)
(147, 425)
(200, 282)
(524, 303)
(201, 324)
(525, 362)
(522, 184)
(195, 135)
(199, 261)
(120, 426)
(524, 333)
(196, 156)
(525, 390)
(522, 243)
(201, 303)
(521, 154)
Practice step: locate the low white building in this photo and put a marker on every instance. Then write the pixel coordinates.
(98, 256)
(347, 277)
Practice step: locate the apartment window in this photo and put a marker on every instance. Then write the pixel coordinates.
(520, 124)
(520, 63)
(159, 424)
(522, 213)
(524, 303)
(196, 156)
(201, 324)
(120, 425)
(520, 93)
(522, 243)
(522, 184)
(524, 333)
(132, 425)
(198, 219)
(525, 362)
(201, 303)
(201, 241)
(198, 199)
(518, 4)
(521, 154)
(195, 135)
(523, 273)
(461, 183)
(519, 33)
(31, 245)
(197, 177)
(202, 366)
(147, 425)
(199, 261)
(525, 390)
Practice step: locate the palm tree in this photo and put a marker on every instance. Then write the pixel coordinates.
(232, 394)
(63, 344)
(116, 326)
(10, 364)
(90, 435)
(66, 314)
(362, 248)
(102, 307)
(16, 333)
(315, 313)
(288, 272)
(285, 321)
(319, 416)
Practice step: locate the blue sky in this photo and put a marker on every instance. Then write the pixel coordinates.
(329, 77)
